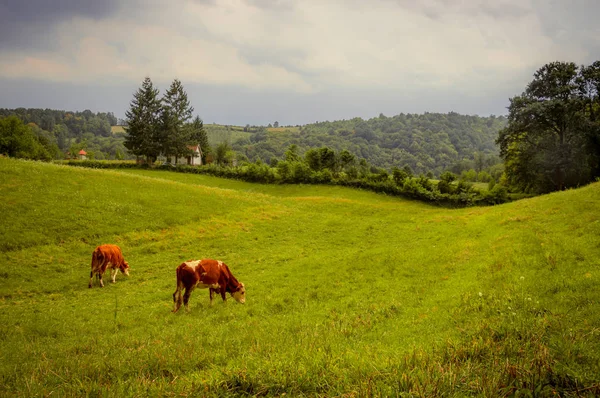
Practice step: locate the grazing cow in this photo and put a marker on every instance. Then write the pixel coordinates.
(102, 257)
(212, 274)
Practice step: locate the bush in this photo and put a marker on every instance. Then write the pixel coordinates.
(445, 187)
(299, 172)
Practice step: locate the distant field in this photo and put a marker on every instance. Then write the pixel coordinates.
(218, 133)
(281, 129)
(350, 293)
(117, 129)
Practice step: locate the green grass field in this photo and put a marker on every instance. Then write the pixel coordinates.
(349, 293)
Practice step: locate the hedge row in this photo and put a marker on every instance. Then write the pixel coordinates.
(299, 173)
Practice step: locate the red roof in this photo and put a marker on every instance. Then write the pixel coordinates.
(82, 152)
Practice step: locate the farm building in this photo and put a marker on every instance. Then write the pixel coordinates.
(196, 158)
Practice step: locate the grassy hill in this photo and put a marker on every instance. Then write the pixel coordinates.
(348, 292)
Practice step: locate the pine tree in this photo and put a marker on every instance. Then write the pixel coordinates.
(176, 111)
(142, 122)
(198, 136)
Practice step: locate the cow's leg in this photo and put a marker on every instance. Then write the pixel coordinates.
(91, 278)
(113, 274)
(177, 299)
(100, 279)
(212, 294)
(186, 297)
(223, 293)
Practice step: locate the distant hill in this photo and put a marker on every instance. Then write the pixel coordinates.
(429, 142)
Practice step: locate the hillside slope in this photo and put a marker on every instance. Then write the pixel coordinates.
(348, 292)
(430, 142)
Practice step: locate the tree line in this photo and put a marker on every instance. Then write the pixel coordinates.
(431, 142)
(163, 126)
(46, 134)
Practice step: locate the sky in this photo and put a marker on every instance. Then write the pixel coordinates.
(292, 61)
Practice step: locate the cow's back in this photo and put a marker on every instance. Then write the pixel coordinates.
(211, 272)
(114, 255)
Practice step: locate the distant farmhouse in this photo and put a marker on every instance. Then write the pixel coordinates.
(195, 159)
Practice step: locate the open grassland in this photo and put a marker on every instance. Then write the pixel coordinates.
(217, 133)
(349, 293)
(291, 129)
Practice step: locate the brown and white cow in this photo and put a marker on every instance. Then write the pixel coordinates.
(105, 256)
(212, 274)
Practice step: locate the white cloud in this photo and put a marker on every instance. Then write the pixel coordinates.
(304, 46)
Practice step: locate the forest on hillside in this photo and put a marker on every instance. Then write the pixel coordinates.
(58, 134)
(431, 142)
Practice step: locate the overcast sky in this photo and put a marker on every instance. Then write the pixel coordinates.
(294, 61)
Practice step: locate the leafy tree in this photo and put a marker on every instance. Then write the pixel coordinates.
(291, 155)
(346, 158)
(176, 111)
(469, 175)
(312, 157)
(223, 154)
(445, 184)
(328, 159)
(448, 177)
(399, 175)
(552, 139)
(18, 140)
(142, 122)
(276, 124)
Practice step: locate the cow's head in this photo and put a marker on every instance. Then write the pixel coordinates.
(124, 268)
(240, 294)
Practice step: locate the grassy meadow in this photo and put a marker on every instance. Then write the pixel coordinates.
(349, 293)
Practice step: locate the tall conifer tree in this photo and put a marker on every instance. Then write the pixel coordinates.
(176, 112)
(142, 122)
(198, 136)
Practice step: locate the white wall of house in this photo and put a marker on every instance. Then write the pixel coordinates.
(194, 160)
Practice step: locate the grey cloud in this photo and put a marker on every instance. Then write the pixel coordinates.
(573, 23)
(287, 59)
(277, 5)
(500, 11)
(28, 23)
(436, 9)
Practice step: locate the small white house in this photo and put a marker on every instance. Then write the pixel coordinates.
(82, 155)
(196, 158)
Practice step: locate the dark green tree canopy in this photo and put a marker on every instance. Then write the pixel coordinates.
(142, 122)
(198, 135)
(551, 141)
(175, 113)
